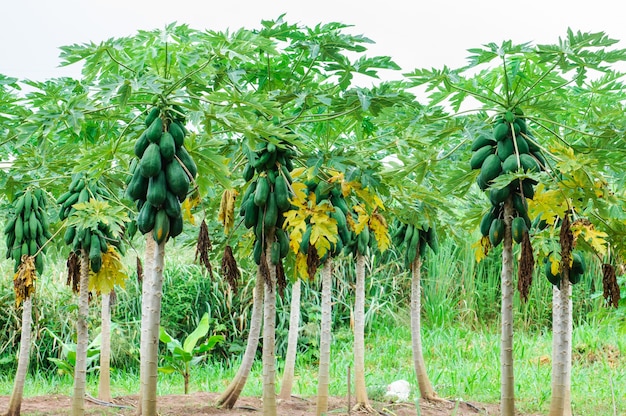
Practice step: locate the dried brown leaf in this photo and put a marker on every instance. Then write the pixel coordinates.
(526, 267)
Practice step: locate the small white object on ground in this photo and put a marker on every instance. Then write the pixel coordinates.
(398, 390)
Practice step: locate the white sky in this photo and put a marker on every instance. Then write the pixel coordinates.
(416, 34)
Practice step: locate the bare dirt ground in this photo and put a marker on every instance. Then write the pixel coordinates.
(198, 404)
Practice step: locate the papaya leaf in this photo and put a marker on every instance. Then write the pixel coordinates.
(378, 224)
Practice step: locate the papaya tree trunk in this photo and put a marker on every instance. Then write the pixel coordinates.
(15, 403)
(104, 384)
(292, 342)
(362, 402)
(269, 335)
(424, 384)
(229, 397)
(507, 382)
(146, 288)
(323, 377)
(150, 360)
(560, 404)
(82, 338)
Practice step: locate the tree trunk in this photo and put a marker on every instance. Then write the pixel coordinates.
(150, 360)
(292, 342)
(104, 384)
(560, 404)
(229, 397)
(323, 378)
(82, 338)
(269, 334)
(424, 384)
(362, 402)
(507, 382)
(15, 403)
(146, 294)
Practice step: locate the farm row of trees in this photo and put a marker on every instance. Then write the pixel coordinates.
(275, 125)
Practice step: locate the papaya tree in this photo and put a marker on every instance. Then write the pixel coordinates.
(521, 90)
(104, 382)
(415, 241)
(419, 201)
(160, 182)
(318, 231)
(289, 370)
(370, 230)
(27, 233)
(103, 283)
(92, 230)
(574, 224)
(230, 271)
(263, 206)
(229, 396)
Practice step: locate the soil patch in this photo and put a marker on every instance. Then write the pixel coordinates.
(197, 404)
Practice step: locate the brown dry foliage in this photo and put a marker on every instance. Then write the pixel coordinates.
(229, 269)
(611, 290)
(312, 261)
(526, 267)
(203, 246)
(24, 279)
(139, 270)
(73, 271)
(566, 240)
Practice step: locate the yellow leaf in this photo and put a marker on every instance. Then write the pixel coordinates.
(596, 239)
(336, 176)
(362, 220)
(323, 233)
(298, 172)
(550, 204)
(481, 249)
(301, 266)
(186, 207)
(379, 226)
(371, 200)
(111, 273)
(226, 214)
(300, 196)
(555, 264)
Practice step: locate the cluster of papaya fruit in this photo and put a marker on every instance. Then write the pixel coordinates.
(415, 240)
(94, 241)
(27, 229)
(577, 270)
(267, 197)
(510, 148)
(162, 174)
(348, 240)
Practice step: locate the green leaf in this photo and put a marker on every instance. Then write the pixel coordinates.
(124, 92)
(168, 370)
(201, 331)
(209, 344)
(164, 337)
(63, 365)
